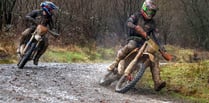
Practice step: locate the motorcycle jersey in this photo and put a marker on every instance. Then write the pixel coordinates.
(36, 17)
(138, 19)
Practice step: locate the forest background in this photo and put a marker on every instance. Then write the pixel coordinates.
(102, 22)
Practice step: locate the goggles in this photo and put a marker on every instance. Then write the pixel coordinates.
(149, 11)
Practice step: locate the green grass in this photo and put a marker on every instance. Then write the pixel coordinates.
(7, 61)
(60, 56)
(188, 79)
(184, 80)
(77, 55)
(66, 55)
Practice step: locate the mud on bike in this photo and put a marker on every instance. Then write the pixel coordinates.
(29, 50)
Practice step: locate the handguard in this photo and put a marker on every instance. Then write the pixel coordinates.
(166, 56)
(54, 33)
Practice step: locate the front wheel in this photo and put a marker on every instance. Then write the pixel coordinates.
(127, 82)
(26, 57)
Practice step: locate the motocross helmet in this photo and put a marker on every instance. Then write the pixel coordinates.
(149, 9)
(48, 6)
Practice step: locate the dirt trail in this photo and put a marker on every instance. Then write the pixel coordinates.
(64, 83)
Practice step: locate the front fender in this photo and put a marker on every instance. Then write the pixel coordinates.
(151, 56)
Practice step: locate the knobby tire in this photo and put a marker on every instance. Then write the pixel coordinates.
(26, 57)
(132, 83)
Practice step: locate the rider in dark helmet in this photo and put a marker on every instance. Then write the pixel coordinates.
(42, 16)
(140, 24)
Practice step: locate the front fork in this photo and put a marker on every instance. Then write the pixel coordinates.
(36, 51)
(28, 45)
(134, 62)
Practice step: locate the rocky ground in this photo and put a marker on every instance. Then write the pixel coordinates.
(66, 83)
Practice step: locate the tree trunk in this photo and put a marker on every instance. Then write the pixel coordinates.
(1, 16)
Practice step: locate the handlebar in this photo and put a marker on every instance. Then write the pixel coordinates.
(165, 55)
(53, 33)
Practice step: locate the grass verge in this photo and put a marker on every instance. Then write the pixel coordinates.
(184, 80)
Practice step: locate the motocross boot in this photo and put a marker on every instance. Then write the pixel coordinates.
(108, 78)
(41, 51)
(121, 55)
(110, 75)
(113, 65)
(158, 83)
(36, 59)
(112, 72)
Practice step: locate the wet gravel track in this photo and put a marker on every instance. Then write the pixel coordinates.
(64, 83)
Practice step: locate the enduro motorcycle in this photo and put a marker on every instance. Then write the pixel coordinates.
(29, 50)
(133, 66)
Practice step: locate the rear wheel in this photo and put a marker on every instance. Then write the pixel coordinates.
(127, 82)
(26, 57)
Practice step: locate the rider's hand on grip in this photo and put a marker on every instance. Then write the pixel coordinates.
(166, 56)
(56, 35)
(140, 31)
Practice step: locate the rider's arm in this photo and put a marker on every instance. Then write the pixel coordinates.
(51, 27)
(154, 34)
(162, 49)
(31, 17)
(51, 23)
(131, 21)
(131, 24)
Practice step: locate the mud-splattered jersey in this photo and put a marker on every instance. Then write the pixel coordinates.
(138, 19)
(37, 15)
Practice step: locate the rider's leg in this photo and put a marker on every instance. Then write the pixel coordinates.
(155, 70)
(122, 53)
(110, 76)
(41, 51)
(24, 36)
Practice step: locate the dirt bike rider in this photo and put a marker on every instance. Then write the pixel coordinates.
(140, 24)
(42, 16)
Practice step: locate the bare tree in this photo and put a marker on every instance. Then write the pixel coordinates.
(82, 22)
(197, 18)
(6, 9)
(1, 14)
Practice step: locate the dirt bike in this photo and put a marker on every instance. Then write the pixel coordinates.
(29, 50)
(133, 66)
